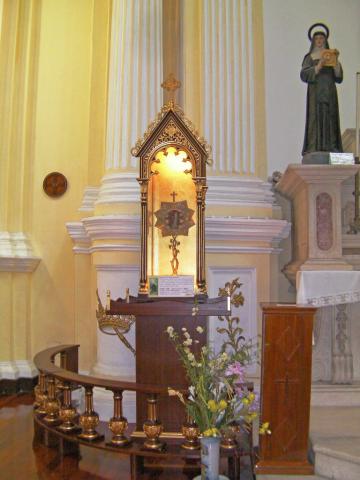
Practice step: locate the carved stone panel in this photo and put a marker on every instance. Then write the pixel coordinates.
(324, 224)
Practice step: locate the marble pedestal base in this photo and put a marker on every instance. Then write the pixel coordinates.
(315, 191)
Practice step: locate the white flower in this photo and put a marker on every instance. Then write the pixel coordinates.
(186, 334)
(192, 392)
(204, 350)
(199, 329)
(170, 331)
(191, 357)
(183, 329)
(187, 350)
(196, 341)
(187, 342)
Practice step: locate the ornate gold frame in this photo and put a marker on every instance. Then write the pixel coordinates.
(172, 128)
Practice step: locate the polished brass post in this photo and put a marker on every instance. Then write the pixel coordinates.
(200, 234)
(63, 360)
(144, 233)
(52, 404)
(152, 426)
(89, 420)
(191, 432)
(228, 439)
(40, 395)
(118, 423)
(67, 412)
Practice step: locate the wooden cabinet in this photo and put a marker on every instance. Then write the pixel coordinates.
(286, 388)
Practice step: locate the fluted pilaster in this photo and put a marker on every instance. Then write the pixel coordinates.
(135, 75)
(224, 66)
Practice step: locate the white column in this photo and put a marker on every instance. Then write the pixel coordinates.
(228, 85)
(135, 94)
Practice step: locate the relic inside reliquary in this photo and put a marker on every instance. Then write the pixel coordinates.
(172, 205)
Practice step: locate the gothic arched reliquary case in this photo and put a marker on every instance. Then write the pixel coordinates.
(173, 187)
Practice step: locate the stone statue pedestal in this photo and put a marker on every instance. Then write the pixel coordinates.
(316, 198)
(316, 158)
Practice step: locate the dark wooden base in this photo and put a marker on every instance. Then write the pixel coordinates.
(20, 385)
(273, 468)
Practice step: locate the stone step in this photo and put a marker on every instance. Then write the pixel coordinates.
(325, 395)
(338, 458)
(289, 477)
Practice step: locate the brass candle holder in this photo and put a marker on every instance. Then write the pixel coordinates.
(89, 420)
(191, 432)
(228, 440)
(118, 424)
(40, 395)
(67, 412)
(152, 426)
(52, 405)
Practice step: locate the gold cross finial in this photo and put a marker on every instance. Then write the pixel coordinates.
(173, 195)
(171, 84)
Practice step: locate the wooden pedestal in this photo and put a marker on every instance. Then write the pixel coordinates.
(286, 388)
(157, 362)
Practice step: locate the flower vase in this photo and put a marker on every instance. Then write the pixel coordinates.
(210, 456)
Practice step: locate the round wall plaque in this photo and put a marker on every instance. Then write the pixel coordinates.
(55, 184)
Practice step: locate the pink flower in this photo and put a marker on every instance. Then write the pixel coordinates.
(236, 369)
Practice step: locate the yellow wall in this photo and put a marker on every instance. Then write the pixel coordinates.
(57, 123)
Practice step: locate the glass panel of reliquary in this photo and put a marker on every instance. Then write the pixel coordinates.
(172, 214)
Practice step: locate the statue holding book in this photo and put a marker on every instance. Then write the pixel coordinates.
(321, 70)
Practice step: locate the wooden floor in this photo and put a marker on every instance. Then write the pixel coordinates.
(20, 460)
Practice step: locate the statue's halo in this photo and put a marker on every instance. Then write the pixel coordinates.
(326, 33)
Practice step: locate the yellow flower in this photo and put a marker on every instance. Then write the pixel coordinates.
(245, 401)
(222, 405)
(212, 406)
(250, 417)
(211, 432)
(264, 429)
(251, 397)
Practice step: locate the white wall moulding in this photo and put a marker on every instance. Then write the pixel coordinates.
(12, 370)
(112, 226)
(119, 187)
(244, 229)
(90, 196)
(16, 254)
(241, 249)
(117, 268)
(78, 235)
(239, 191)
(122, 187)
(127, 227)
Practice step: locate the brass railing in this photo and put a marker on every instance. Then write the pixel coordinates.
(55, 413)
(54, 404)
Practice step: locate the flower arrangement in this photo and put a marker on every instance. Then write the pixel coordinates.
(218, 395)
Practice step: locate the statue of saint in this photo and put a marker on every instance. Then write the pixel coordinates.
(322, 129)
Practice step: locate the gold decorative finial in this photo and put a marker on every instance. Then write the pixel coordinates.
(171, 84)
(108, 299)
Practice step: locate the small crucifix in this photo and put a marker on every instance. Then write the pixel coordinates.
(171, 84)
(173, 195)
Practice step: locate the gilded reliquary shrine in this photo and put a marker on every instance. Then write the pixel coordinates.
(173, 189)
